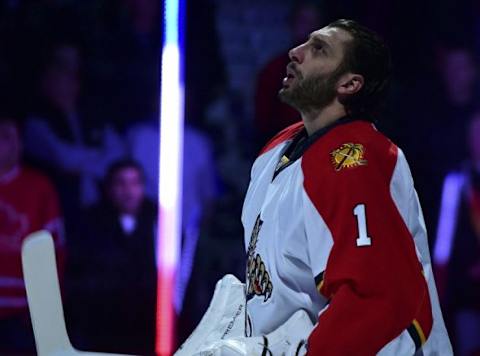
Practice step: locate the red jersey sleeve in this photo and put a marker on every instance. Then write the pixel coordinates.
(373, 277)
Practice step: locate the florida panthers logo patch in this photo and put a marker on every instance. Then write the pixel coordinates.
(348, 155)
(258, 278)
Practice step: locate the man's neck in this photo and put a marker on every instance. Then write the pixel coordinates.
(316, 120)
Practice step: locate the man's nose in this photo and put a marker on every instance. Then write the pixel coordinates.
(296, 54)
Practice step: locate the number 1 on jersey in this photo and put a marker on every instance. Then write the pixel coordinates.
(363, 239)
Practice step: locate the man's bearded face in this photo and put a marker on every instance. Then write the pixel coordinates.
(309, 93)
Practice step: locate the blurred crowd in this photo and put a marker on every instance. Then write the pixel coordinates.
(79, 135)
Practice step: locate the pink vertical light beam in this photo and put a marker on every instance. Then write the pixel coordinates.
(170, 176)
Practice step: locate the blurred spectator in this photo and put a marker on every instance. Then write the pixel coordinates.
(226, 122)
(271, 115)
(199, 186)
(204, 51)
(60, 137)
(457, 248)
(127, 80)
(438, 113)
(28, 203)
(112, 274)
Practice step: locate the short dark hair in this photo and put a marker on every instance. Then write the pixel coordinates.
(119, 165)
(367, 55)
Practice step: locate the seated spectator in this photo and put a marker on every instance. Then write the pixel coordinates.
(28, 203)
(112, 274)
(59, 136)
(457, 248)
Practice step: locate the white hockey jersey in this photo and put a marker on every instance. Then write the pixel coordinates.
(333, 226)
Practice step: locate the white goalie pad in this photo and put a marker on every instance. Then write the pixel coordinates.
(224, 318)
(290, 339)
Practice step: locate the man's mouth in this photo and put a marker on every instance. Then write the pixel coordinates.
(288, 79)
(291, 74)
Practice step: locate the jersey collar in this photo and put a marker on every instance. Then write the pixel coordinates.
(301, 142)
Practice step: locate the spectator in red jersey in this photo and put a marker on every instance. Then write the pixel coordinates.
(28, 203)
(271, 115)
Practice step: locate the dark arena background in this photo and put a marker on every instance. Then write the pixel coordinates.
(81, 112)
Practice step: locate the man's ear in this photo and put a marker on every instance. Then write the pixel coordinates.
(350, 84)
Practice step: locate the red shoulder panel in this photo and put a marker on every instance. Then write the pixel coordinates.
(283, 136)
(377, 288)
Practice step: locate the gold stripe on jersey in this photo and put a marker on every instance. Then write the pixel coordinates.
(420, 332)
(417, 334)
(319, 287)
(319, 281)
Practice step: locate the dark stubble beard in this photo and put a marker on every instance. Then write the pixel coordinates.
(313, 93)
